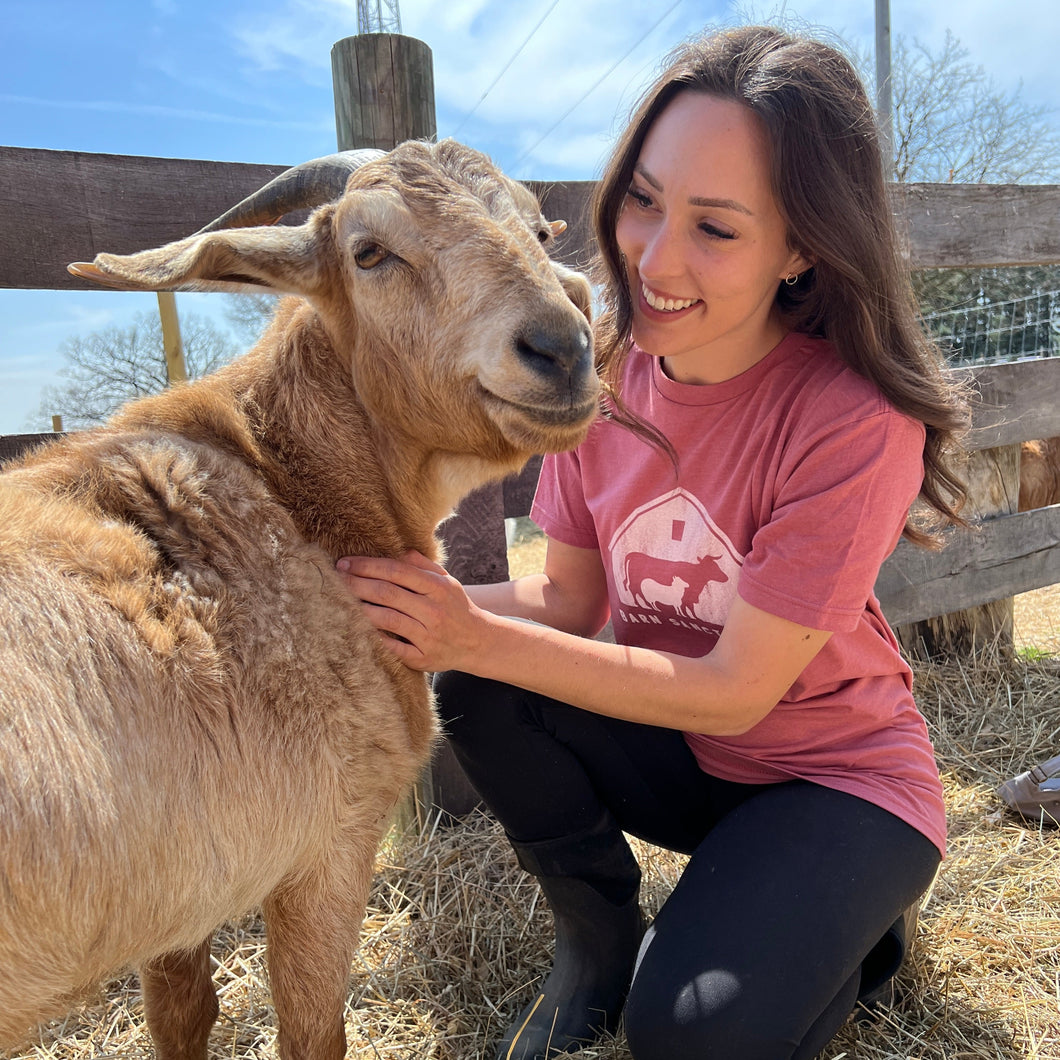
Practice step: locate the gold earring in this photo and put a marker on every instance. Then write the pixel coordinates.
(791, 279)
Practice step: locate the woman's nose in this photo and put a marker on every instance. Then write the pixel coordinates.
(662, 255)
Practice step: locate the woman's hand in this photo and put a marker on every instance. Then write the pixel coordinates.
(431, 622)
(725, 693)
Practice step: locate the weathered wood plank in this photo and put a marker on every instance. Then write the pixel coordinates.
(352, 119)
(992, 477)
(1017, 402)
(62, 206)
(971, 225)
(12, 445)
(1007, 555)
(943, 225)
(1020, 402)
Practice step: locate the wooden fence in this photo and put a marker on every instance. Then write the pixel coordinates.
(61, 206)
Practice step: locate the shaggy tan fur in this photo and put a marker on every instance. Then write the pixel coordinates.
(195, 718)
(1039, 474)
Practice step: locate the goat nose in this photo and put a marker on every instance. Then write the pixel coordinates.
(555, 348)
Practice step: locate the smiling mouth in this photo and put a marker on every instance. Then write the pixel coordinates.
(666, 305)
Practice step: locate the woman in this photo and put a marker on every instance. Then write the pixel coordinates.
(773, 412)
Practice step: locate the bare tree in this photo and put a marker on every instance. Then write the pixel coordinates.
(952, 123)
(249, 313)
(107, 368)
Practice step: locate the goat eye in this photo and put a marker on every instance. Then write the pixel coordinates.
(370, 255)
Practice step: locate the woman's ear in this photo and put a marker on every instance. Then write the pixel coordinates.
(798, 263)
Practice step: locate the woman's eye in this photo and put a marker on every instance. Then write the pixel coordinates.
(370, 255)
(639, 197)
(715, 232)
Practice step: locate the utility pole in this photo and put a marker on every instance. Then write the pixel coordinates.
(884, 103)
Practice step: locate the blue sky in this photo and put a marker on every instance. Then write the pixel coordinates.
(251, 82)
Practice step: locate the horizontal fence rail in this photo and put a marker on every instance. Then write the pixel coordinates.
(63, 206)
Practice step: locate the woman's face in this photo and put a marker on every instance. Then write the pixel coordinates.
(704, 242)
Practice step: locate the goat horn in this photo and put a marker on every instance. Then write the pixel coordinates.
(310, 184)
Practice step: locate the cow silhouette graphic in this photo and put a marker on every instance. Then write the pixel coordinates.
(639, 568)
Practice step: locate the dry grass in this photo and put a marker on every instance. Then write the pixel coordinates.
(455, 933)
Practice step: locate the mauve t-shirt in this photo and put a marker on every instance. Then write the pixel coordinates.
(794, 482)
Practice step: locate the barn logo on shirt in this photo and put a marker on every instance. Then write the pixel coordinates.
(672, 565)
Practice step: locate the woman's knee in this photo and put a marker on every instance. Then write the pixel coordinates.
(679, 1009)
(709, 1016)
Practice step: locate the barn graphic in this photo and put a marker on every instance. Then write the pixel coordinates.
(671, 561)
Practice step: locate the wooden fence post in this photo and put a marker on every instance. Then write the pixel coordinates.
(172, 344)
(384, 91)
(384, 94)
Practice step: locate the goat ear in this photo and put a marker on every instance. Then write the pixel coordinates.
(577, 288)
(290, 260)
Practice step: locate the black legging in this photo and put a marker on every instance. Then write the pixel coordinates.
(786, 911)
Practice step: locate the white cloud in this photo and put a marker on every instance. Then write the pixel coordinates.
(471, 41)
(556, 62)
(295, 34)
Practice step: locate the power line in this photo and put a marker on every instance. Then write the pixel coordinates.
(493, 83)
(596, 84)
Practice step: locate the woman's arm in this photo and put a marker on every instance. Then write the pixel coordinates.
(571, 593)
(756, 660)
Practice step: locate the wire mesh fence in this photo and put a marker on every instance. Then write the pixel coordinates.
(989, 332)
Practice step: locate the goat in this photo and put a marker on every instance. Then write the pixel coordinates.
(196, 718)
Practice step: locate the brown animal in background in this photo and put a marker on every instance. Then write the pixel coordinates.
(195, 717)
(1039, 474)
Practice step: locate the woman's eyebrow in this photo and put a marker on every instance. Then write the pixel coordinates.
(724, 204)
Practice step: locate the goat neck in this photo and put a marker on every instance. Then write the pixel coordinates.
(350, 487)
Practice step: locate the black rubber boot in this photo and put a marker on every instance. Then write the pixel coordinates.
(592, 882)
(878, 988)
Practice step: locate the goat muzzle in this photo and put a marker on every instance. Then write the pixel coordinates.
(556, 350)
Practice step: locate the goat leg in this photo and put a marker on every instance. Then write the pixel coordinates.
(180, 1002)
(312, 929)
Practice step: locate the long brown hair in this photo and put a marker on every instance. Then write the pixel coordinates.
(828, 181)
